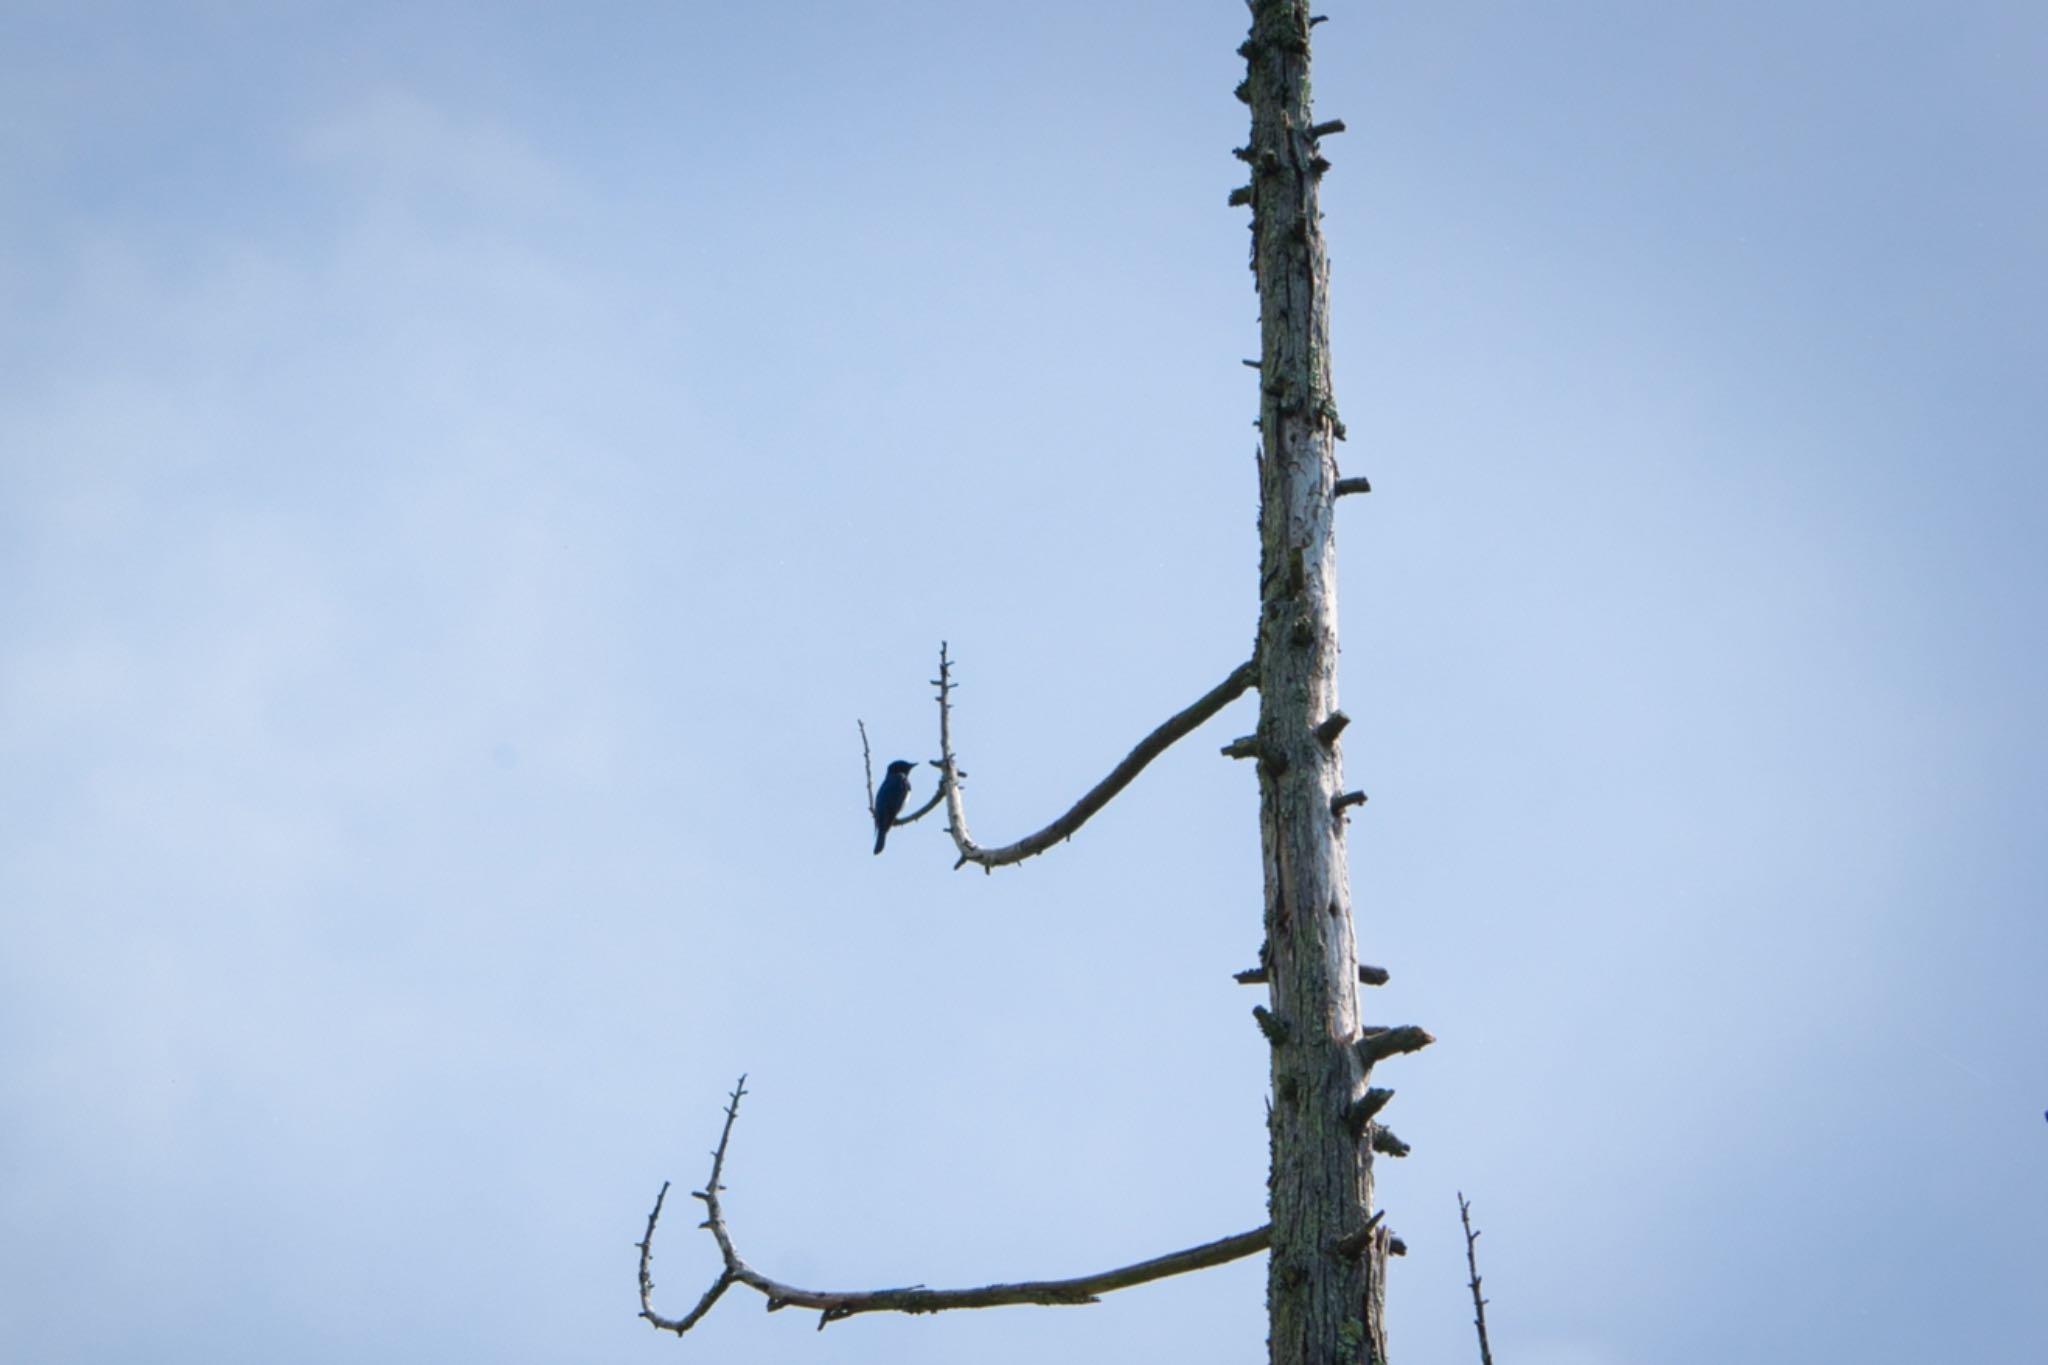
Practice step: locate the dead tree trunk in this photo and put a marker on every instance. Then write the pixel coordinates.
(1326, 1285)
(1326, 1280)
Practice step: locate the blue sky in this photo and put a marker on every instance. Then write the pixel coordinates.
(464, 469)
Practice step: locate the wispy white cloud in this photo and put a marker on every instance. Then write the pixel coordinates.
(398, 139)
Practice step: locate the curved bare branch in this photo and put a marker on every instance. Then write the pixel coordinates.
(1175, 727)
(835, 1304)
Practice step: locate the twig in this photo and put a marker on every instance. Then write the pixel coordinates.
(1472, 1263)
(1098, 796)
(867, 764)
(931, 803)
(835, 1304)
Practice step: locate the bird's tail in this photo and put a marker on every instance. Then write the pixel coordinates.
(881, 837)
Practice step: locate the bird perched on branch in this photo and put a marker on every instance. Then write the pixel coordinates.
(895, 790)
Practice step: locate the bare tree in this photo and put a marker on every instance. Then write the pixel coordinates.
(1326, 1281)
(1329, 1247)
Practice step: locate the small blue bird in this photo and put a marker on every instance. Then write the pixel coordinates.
(889, 800)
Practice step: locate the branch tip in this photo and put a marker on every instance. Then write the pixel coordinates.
(1362, 1109)
(1378, 1044)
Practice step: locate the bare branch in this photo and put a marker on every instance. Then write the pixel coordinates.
(716, 1222)
(1353, 1243)
(867, 763)
(1081, 1289)
(1377, 1044)
(1346, 487)
(1472, 1263)
(835, 1304)
(1256, 976)
(1272, 1025)
(1365, 1107)
(711, 1295)
(930, 805)
(1174, 728)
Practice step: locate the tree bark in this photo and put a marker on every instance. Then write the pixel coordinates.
(1326, 1280)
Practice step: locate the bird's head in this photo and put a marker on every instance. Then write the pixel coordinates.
(901, 768)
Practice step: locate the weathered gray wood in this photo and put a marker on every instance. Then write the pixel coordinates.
(1326, 1280)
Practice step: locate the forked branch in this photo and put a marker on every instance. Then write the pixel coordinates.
(1175, 727)
(835, 1304)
